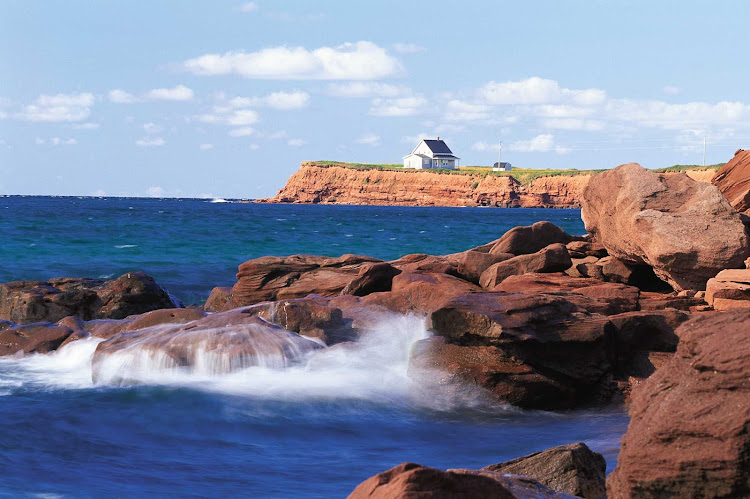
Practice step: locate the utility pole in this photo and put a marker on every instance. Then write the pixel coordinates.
(500, 154)
(704, 151)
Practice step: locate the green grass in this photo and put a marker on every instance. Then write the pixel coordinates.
(683, 168)
(523, 175)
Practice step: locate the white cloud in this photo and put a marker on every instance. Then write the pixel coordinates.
(416, 139)
(296, 142)
(85, 126)
(537, 90)
(484, 146)
(237, 117)
(205, 147)
(121, 96)
(285, 101)
(369, 139)
(241, 132)
(248, 7)
(58, 108)
(401, 106)
(151, 128)
(99, 193)
(672, 90)
(150, 142)
(540, 143)
(56, 141)
(178, 93)
(254, 147)
(659, 114)
(407, 48)
(155, 191)
(459, 110)
(350, 61)
(367, 89)
(281, 134)
(573, 124)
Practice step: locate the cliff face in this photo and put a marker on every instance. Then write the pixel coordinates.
(341, 185)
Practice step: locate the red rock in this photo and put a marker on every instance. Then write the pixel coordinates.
(219, 343)
(220, 300)
(588, 295)
(729, 289)
(573, 469)
(733, 180)
(530, 239)
(688, 434)
(587, 248)
(421, 293)
(25, 302)
(472, 263)
(414, 481)
(296, 276)
(543, 332)
(553, 258)
(685, 230)
(421, 263)
(373, 278)
(32, 338)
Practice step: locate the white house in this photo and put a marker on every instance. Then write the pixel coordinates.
(431, 153)
(501, 166)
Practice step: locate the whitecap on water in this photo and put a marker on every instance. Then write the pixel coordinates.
(123, 246)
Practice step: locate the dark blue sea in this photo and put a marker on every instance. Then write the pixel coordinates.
(315, 430)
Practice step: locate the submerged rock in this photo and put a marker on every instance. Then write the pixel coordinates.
(685, 230)
(411, 480)
(573, 469)
(216, 344)
(25, 302)
(688, 434)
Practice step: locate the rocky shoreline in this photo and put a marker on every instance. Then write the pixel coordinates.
(650, 308)
(316, 183)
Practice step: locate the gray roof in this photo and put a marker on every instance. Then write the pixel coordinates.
(437, 146)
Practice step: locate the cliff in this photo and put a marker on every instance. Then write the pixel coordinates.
(331, 184)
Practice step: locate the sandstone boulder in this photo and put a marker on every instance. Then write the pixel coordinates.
(41, 337)
(541, 337)
(420, 293)
(529, 239)
(685, 230)
(729, 289)
(280, 278)
(553, 258)
(219, 343)
(412, 481)
(573, 469)
(25, 302)
(688, 434)
(733, 180)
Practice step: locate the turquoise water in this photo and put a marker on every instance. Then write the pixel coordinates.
(313, 430)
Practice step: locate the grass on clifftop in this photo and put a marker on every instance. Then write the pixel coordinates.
(523, 175)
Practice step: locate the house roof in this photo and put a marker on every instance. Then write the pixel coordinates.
(437, 146)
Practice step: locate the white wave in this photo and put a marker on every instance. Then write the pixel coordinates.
(373, 369)
(122, 246)
(220, 200)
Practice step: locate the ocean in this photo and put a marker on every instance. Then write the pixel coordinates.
(314, 430)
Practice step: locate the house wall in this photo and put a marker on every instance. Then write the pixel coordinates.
(423, 149)
(414, 161)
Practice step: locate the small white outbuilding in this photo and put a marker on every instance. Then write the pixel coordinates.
(431, 153)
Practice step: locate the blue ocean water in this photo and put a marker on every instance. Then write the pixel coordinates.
(313, 430)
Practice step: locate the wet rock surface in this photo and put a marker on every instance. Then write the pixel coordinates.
(25, 302)
(685, 230)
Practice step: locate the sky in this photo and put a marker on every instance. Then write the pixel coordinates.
(227, 98)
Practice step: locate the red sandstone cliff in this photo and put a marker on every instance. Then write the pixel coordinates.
(341, 185)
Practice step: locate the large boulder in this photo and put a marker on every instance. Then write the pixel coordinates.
(529, 239)
(688, 434)
(216, 344)
(25, 302)
(279, 278)
(573, 469)
(543, 338)
(733, 180)
(553, 258)
(412, 481)
(41, 337)
(686, 230)
(729, 289)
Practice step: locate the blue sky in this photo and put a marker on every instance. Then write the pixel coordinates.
(225, 99)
